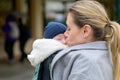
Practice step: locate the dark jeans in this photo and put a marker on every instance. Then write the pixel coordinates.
(9, 49)
(23, 42)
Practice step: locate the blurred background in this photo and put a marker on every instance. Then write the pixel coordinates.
(36, 14)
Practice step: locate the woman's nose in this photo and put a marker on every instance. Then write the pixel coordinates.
(66, 34)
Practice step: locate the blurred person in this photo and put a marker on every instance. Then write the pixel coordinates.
(94, 45)
(23, 38)
(11, 31)
(45, 49)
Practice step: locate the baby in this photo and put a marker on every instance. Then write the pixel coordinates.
(43, 48)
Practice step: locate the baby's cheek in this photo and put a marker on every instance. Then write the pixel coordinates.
(62, 41)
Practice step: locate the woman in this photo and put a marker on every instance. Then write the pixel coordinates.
(94, 45)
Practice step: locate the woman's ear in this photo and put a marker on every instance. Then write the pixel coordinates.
(87, 31)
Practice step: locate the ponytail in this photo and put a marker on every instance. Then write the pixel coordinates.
(114, 43)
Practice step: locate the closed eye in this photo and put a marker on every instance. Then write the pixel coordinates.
(68, 29)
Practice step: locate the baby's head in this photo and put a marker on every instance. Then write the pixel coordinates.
(53, 29)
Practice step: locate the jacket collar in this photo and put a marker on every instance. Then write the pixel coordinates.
(97, 45)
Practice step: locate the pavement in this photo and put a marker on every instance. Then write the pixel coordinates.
(15, 70)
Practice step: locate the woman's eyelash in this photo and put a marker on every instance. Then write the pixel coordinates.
(68, 29)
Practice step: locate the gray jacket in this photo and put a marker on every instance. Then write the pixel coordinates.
(90, 61)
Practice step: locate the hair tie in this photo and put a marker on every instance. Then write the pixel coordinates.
(107, 25)
(108, 30)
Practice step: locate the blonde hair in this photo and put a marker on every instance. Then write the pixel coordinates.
(93, 13)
